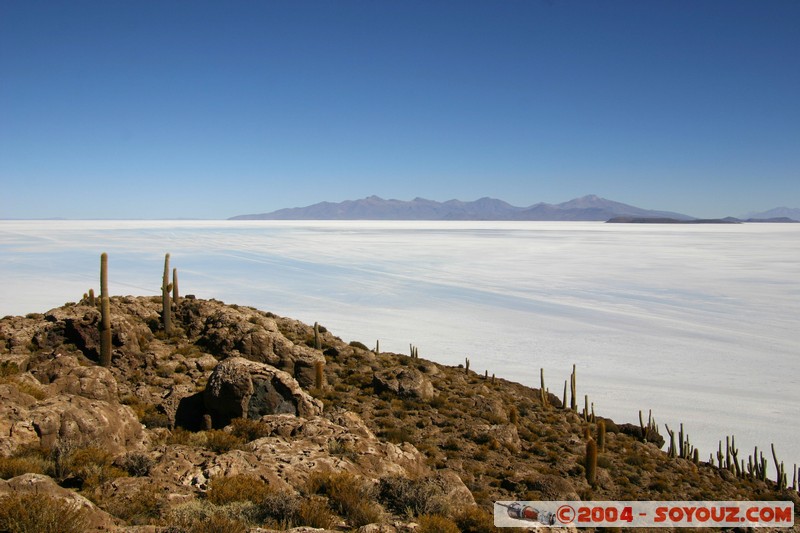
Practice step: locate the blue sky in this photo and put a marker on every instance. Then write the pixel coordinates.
(166, 109)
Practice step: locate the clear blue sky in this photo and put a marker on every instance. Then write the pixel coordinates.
(164, 109)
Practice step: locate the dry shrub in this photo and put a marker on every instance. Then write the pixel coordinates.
(26, 461)
(8, 368)
(249, 430)
(31, 389)
(436, 524)
(136, 464)
(200, 516)
(237, 488)
(183, 437)
(92, 465)
(220, 441)
(351, 497)
(473, 519)
(314, 512)
(144, 507)
(412, 496)
(24, 513)
(284, 510)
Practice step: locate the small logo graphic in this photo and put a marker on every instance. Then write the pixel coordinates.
(518, 511)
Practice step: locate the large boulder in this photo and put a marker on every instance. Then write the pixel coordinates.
(404, 382)
(241, 332)
(42, 486)
(111, 426)
(79, 325)
(66, 376)
(240, 388)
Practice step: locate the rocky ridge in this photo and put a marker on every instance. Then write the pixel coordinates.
(234, 395)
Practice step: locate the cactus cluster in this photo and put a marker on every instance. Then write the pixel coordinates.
(649, 431)
(169, 294)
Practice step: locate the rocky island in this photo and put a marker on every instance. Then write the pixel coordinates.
(212, 417)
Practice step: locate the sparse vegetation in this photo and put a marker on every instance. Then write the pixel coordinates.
(500, 438)
(31, 512)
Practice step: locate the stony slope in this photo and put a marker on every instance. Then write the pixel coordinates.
(241, 419)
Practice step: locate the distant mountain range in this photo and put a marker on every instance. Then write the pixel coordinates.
(586, 208)
(778, 212)
(375, 208)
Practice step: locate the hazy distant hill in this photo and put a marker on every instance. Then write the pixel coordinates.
(375, 208)
(778, 212)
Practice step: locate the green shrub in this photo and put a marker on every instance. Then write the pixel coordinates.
(24, 513)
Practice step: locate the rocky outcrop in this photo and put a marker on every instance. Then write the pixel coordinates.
(240, 388)
(404, 382)
(410, 426)
(80, 406)
(255, 336)
(66, 376)
(110, 426)
(43, 486)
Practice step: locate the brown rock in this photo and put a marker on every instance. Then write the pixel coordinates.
(98, 520)
(111, 426)
(240, 388)
(404, 382)
(92, 382)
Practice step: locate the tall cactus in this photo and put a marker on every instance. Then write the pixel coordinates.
(319, 374)
(573, 402)
(166, 304)
(542, 391)
(591, 462)
(175, 295)
(105, 313)
(601, 435)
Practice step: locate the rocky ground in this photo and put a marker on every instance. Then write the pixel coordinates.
(240, 420)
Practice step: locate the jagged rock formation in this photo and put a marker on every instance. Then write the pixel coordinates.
(236, 393)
